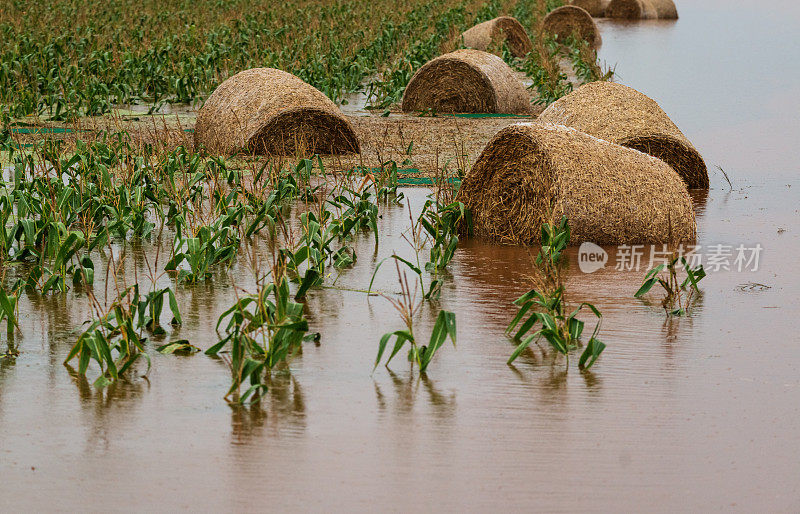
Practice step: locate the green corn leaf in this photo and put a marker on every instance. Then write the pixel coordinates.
(524, 344)
(8, 303)
(575, 327)
(74, 350)
(401, 337)
(105, 352)
(590, 354)
(693, 276)
(217, 347)
(173, 306)
(83, 361)
(310, 279)
(173, 263)
(646, 286)
(527, 325)
(524, 308)
(181, 346)
(556, 340)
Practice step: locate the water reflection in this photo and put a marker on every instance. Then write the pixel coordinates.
(282, 409)
(8, 357)
(592, 381)
(107, 412)
(545, 368)
(119, 391)
(699, 200)
(655, 418)
(407, 394)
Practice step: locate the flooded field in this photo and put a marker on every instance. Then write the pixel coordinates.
(693, 413)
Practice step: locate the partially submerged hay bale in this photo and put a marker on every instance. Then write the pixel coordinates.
(625, 116)
(568, 20)
(264, 110)
(504, 28)
(467, 81)
(665, 9)
(597, 8)
(631, 9)
(530, 172)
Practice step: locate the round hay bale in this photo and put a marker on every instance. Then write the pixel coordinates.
(467, 81)
(631, 9)
(625, 116)
(568, 20)
(665, 9)
(269, 111)
(482, 35)
(597, 8)
(530, 173)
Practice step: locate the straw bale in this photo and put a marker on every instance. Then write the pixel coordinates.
(530, 173)
(631, 9)
(269, 111)
(597, 8)
(627, 117)
(665, 9)
(482, 35)
(467, 81)
(568, 20)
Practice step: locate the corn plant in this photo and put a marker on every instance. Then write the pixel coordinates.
(387, 183)
(436, 227)
(441, 222)
(678, 294)
(9, 309)
(541, 65)
(268, 212)
(211, 245)
(584, 61)
(262, 331)
(114, 339)
(546, 307)
(408, 307)
(359, 212)
(326, 236)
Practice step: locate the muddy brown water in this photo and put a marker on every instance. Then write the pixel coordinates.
(698, 413)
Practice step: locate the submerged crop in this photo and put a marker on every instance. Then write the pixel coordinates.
(545, 306)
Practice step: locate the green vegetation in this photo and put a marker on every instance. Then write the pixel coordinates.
(124, 52)
(408, 307)
(678, 294)
(78, 205)
(545, 305)
(434, 228)
(68, 59)
(264, 330)
(65, 59)
(9, 309)
(326, 233)
(114, 338)
(584, 61)
(64, 209)
(542, 66)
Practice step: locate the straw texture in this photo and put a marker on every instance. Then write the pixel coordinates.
(569, 19)
(269, 111)
(481, 36)
(665, 9)
(631, 9)
(625, 116)
(597, 8)
(530, 173)
(467, 81)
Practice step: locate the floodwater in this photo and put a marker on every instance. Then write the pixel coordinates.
(698, 413)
